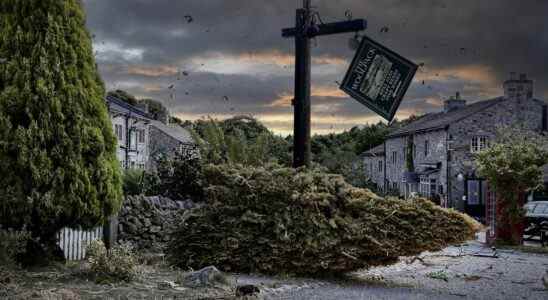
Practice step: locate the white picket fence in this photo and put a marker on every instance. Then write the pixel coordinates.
(74, 242)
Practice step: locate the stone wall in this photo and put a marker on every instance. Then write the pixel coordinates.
(146, 222)
(509, 113)
(372, 170)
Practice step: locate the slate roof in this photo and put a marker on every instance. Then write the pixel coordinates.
(375, 151)
(177, 132)
(123, 107)
(442, 119)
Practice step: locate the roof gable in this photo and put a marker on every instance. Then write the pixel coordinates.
(440, 120)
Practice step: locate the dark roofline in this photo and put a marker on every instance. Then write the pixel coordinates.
(373, 151)
(403, 132)
(127, 106)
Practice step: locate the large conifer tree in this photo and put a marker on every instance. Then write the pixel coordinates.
(57, 150)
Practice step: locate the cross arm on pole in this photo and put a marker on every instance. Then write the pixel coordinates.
(329, 28)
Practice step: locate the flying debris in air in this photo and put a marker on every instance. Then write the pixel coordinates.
(189, 18)
(348, 14)
(225, 98)
(384, 29)
(421, 64)
(171, 87)
(423, 82)
(185, 73)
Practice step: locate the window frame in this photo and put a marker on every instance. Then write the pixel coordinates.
(119, 131)
(479, 143)
(141, 136)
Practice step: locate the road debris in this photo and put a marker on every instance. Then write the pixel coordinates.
(189, 18)
(441, 275)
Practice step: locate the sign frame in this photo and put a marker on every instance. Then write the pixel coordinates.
(368, 43)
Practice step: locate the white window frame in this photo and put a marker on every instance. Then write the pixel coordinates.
(141, 138)
(119, 131)
(478, 143)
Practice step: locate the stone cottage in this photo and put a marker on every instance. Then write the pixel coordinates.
(131, 126)
(141, 139)
(440, 147)
(169, 140)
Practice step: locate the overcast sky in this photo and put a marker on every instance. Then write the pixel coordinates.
(228, 58)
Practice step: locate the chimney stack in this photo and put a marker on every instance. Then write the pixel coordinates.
(453, 103)
(521, 88)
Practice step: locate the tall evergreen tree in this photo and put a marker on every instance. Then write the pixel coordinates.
(57, 148)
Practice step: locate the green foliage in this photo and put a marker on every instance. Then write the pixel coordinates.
(177, 178)
(513, 165)
(12, 246)
(280, 220)
(56, 139)
(114, 265)
(124, 96)
(133, 182)
(409, 164)
(237, 141)
(155, 109)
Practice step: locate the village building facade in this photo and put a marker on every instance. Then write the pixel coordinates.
(440, 147)
(143, 140)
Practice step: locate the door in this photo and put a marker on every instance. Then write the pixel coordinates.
(475, 198)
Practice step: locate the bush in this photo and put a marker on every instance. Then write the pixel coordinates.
(178, 178)
(280, 220)
(133, 182)
(12, 246)
(116, 264)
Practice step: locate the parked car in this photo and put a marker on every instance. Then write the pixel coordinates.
(536, 211)
(536, 214)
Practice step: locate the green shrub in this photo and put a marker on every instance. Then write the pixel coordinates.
(133, 182)
(57, 146)
(116, 264)
(12, 246)
(281, 220)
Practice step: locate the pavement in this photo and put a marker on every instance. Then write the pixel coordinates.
(469, 271)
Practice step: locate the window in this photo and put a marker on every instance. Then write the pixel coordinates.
(426, 148)
(478, 144)
(380, 166)
(141, 136)
(428, 187)
(133, 140)
(394, 157)
(119, 131)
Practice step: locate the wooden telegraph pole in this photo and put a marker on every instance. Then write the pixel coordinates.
(304, 30)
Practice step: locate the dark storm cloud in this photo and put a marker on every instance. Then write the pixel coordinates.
(468, 46)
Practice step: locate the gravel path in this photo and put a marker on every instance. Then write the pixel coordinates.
(466, 272)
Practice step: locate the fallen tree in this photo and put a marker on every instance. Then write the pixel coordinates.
(280, 220)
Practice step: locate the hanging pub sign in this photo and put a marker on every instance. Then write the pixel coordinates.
(378, 78)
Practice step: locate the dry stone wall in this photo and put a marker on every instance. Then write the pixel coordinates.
(146, 222)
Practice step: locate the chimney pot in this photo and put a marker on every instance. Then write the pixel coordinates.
(522, 76)
(457, 96)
